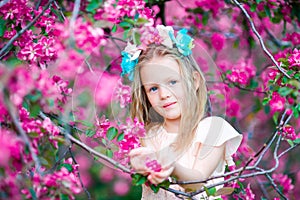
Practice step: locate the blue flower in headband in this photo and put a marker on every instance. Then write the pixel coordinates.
(129, 60)
(183, 42)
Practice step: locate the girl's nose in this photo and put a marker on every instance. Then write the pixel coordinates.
(164, 92)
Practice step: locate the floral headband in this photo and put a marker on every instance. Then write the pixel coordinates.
(162, 35)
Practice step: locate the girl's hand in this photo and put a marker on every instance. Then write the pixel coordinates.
(158, 177)
(138, 158)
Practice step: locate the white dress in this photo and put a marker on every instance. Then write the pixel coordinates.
(211, 132)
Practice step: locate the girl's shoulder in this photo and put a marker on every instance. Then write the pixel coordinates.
(215, 130)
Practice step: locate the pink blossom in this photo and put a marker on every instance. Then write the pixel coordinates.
(11, 147)
(31, 52)
(121, 187)
(293, 37)
(122, 94)
(210, 5)
(70, 63)
(294, 58)
(106, 174)
(233, 108)
(125, 146)
(105, 89)
(133, 128)
(153, 165)
(217, 41)
(102, 125)
(277, 103)
(20, 84)
(284, 181)
(288, 132)
(245, 195)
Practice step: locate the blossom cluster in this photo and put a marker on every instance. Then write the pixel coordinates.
(64, 180)
(86, 36)
(39, 83)
(132, 130)
(35, 45)
(114, 11)
(284, 181)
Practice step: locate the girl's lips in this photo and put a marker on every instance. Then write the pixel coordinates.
(168, 104)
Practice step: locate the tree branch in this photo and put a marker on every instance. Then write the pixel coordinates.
(21, 132)
(7, 45)
(260, 38)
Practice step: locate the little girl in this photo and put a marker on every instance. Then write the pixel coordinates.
(169, 96)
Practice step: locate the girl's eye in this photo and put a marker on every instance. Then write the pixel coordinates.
(173, 82)
(152, 89)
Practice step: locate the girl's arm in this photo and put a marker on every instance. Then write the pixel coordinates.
(202, 169)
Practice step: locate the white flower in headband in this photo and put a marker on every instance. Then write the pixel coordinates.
(164, 33)
(132, 50)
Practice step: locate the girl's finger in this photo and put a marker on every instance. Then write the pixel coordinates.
(140, 151)
(158, 177)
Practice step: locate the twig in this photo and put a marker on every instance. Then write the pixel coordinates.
(75, 13)
(97, 154)
(288, 149)
(7, 45)
(275, 186)
(11, 111)
(60, 10)
(78, 174)
(260, 38)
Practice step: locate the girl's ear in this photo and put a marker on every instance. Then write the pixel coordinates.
(196, 77)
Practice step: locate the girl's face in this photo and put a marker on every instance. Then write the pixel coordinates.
(163, 85)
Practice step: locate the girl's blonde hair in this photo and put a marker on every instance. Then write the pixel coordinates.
(194, 103)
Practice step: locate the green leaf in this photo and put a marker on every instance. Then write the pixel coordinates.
(295, 112)
(93, 5)
(285, 80)
(67, 166)
(253, 84)
(90, 132)
(35, 96)
(33, 194)
(291, 143)
(141, 21)
(33, 134)
(129, 21)
(125, 25)
(34, 110)
(2, 27)
(284, 91)
(236, 43)
(296, 141)
(112, 132)
(109, 153)
(138, 179)
(120, 137)
(136, 38)
(267, 10)
(275, 117)
(224, 191)
(258, 1)
(265, 101)
(63, 196)
(295, 83)
(253, 7)
(205, 17)
(114, 28)
(165, 184)
(154, 188)
(86, 123)
(210, 191)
